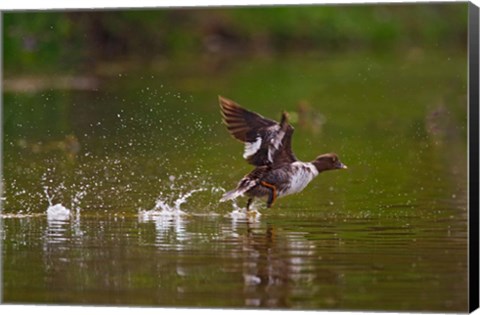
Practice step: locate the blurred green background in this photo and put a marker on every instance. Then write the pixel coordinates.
(76, 40)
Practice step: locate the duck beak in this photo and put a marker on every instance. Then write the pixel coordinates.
(342, 166)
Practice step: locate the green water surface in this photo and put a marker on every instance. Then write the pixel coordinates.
(390, 233)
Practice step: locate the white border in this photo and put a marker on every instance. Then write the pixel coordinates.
(100, 4)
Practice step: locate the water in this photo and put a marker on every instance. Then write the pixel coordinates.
(112, 194)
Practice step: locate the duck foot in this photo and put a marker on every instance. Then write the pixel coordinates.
(249, 202)
(273, 195)
(252, 214)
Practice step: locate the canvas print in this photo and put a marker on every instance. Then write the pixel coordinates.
(304, 157)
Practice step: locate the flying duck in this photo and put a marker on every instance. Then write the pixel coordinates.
(268, 146)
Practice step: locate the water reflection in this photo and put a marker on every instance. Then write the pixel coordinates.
(159, 258)
(56, 232)
(57, 253)
(277, 265)
(170, 227)
(265, 273)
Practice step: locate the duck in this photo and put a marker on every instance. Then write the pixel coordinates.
(268, 147)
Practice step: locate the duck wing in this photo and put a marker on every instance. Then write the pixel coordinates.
(285, 154)
(266, 141)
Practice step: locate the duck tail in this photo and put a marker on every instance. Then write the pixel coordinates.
(284, 120)
(245, 184)
(232, 194)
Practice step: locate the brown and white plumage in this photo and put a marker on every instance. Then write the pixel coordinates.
(268, 146)
(266, 141)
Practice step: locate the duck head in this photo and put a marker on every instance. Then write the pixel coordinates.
(328, 161)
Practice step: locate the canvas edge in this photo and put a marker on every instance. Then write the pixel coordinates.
(473, 99)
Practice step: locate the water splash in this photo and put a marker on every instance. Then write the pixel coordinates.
(240, 213)
(55, 212)
(164, 208)
(168, 216)
(77, 198)
(58, 213)
(48, 196)
(184, 197)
